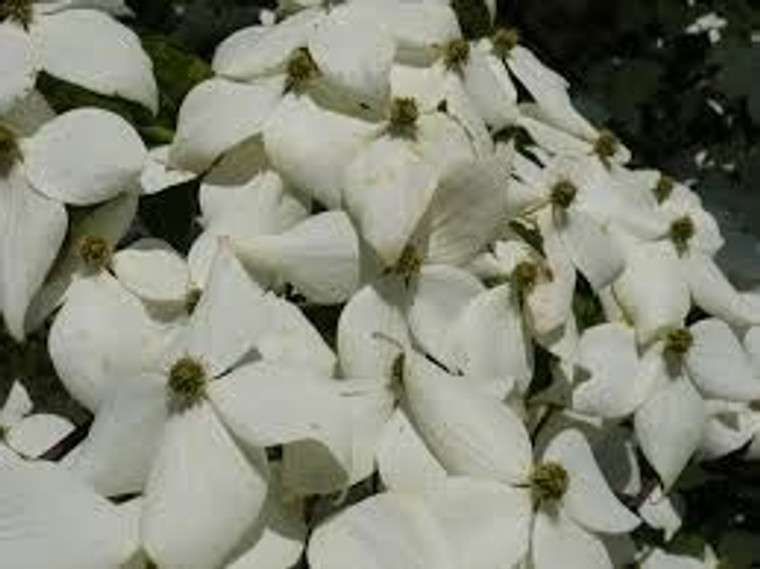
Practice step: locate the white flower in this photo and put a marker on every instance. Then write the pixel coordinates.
(169, 428)
(575, 205)
(482, 522)
(470, 432)
(30, 435)
(219, 114)
(390, 530)
(664, 276)
(49, 166)
(376, 31)
(51, 519)
(544, 285)
(557, 141)
(47, 36)
(269, 227)
(303, 55)
(666, 388)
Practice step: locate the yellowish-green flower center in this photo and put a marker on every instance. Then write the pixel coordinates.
(95, 252)
(192, 298)
(301, 69)
(681, 232)
(606, 145)
(504, 40)
(19, 11)
(679, 341)
(664, 188)
(403, 117)
(455, 54)
(563, 194)
(409, 263)
(524, 276)
(187, 382)
(9, 147)
(548, 482)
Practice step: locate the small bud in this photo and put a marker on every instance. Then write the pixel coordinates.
(549, 482)
(606, 145)
(404, 115)
(409, 263)
(19, 11)
(524, 277)
(456, 54)
(95, 252)
(679, 341)
(301, 69)
(187, 382)
(192, 298)
(504, 40)
(9, 147)
(681, 232)
(563, 194)
(664, 188)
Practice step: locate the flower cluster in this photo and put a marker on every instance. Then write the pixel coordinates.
(532, 339)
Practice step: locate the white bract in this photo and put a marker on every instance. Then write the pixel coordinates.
(82, 157)
(77, 42)
(29, 434)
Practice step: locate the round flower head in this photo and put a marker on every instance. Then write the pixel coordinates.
(187, 383)
(606, 145)
(504, 41)
(664, 188)
(563, 194)
(95, 252)
(300, 69)
(679, 341)
(403, 117)
(681, 232)
(455, 54)
(548, 482)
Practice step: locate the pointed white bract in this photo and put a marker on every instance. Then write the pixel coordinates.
(111, 61)
(39, 502)
(85, 156)
(33, 228)
(29, 435)
(18, 67)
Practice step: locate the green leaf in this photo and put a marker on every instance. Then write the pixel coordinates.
(473, 16)
(737, 77)
(64, 96)
(176, 70)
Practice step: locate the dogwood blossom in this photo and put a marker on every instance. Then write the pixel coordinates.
(48, 167)
(47, 36)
